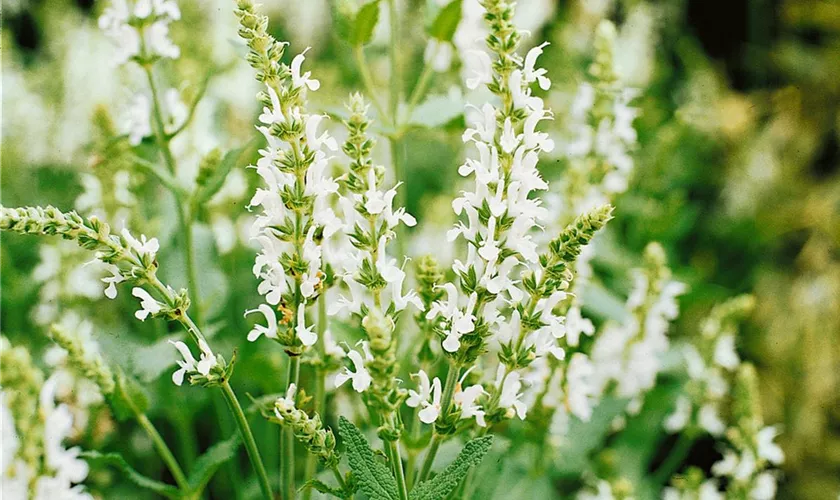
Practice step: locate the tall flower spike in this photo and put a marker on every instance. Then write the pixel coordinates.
(297, 217)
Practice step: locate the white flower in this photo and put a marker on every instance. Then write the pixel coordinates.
(285, 403)
(143, 246)
(708, 418)
(764, 487)
(466, 399)
(580, 390)
(299, 80)
(509, 139)
(725, 354)
(116, 277)
(270, 330)
(428, 397)
(766, 448)
(531, 73)
(361, 378)
(306, 335)
(189, 365)
(147, 303)
(679, 419)
(137, 121)
(480, 66)
(510, 396)
(58, 423)
(576, 325)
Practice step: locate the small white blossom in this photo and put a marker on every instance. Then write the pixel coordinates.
(427, 397)
(270, 330)
(148, 304)
(189, 365)
(361, 378)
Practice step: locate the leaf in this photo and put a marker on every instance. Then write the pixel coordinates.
(117, 460)
(366, 19)
(441, 485)
(374, 478)
(207, 464)
(324, 488)
(216, 180)
(438, 109)
(446, 22)
(128, 398)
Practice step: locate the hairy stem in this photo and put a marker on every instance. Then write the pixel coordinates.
(320, 389)
(287, 466)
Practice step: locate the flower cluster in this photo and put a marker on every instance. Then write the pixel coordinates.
(296, 215)
(35, 463)
(140, 29)
(598, 158)
(710, 363)
(750, 453)
(629, 354)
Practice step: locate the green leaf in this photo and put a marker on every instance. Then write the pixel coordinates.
(216, 180)
(322, 487)
(446, 22)
(374, 478)
(128, 399)
(438, 109)
(362, 30)
(116, 460)
(441, 485)
(207, 464)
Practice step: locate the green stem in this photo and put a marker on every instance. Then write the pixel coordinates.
(287, 472)
(396, 77)
(367, 80)
(397, 465)
(164, 452)
(320, 389)
(675, 458)
(184, 217)
(248, 439)
(430, 458)
(421, 87)
(448, 391)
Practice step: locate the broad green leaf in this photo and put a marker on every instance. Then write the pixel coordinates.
(374, 477)
(117, 460)
(438, 109)
(441, 485)
(207, 464)
(128, 398)
(365, 23)
(446, 22)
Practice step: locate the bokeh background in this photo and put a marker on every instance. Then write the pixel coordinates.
(737, 175)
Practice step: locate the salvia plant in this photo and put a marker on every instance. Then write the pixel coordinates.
(386, 374)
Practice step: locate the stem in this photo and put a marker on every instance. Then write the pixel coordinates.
(430, 458)
(396, 161)
(320, 390)
(164, 452)
(396, 78)
(422, 86)
(287, 466)
(248, 439)
(396, 462)
(448, 391)
(367, 80)
(675, 458)
(184, 217)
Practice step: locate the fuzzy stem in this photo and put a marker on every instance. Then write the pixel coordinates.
(399, 473)
(248, 439)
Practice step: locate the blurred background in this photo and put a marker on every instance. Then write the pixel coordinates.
(737, 174)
